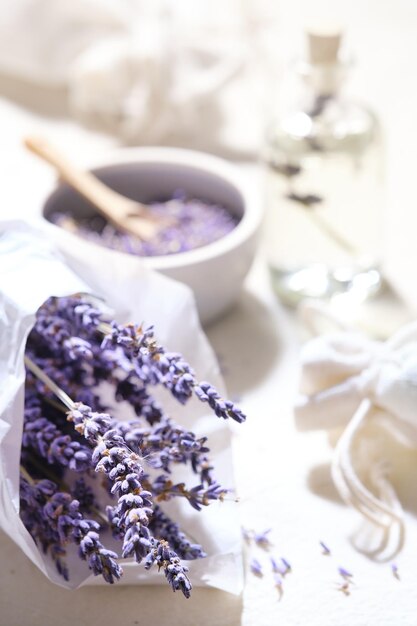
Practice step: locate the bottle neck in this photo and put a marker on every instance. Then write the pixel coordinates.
(324, 79)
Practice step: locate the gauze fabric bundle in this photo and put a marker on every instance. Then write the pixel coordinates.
(147, 71)
(32, 270)
(358, 387)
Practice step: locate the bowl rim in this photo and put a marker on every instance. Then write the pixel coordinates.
(193, 159)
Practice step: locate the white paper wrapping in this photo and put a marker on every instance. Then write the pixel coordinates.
(31, 270)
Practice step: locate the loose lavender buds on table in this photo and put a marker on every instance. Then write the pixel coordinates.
(256, 567)
(72, 351)
(192, 224)
(262, 538)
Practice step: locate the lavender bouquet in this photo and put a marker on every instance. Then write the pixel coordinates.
(108, 475)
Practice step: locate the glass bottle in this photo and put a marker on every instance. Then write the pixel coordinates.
(324, 184)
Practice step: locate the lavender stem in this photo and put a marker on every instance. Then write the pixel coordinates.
(60, 394)
(26, 475)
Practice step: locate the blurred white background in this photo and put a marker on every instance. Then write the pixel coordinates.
(95, 73)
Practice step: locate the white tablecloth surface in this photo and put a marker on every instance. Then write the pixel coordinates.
(284, 484)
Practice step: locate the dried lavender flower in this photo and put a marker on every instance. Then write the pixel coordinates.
(261, 539)
(63, 514)
(53, 518)
(198, 496)
(286, 564)
(285, 169)
(344, 588)
(148, 360)
(162, 527)
(308, 200)
(344, 572)
(72, 349)
(256, 567)
(278, 581)
(138, 397)
(394, 570)
(175, 571)
(222, 408)
(278, 567)
(113, 457)
(84, 494)
(48, 441)
(281, 567)
(165, 444)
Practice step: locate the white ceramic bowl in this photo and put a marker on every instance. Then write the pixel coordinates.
(214, 272)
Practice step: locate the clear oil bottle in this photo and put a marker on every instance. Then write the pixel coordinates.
(324, 184)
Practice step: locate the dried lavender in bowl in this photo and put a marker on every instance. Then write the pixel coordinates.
(74, 448)
(195, 223)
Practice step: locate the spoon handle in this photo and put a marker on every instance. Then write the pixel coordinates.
(109, 203)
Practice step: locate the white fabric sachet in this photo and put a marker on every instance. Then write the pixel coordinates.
(353, 384)
(141, 70)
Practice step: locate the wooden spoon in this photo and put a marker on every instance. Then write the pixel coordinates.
(125, 214)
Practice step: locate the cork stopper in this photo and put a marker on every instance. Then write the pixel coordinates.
(323, 44)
